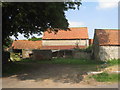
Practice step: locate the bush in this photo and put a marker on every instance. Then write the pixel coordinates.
(15, 56)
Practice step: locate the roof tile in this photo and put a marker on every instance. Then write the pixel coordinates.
(25, 44)
(73, 33)
(108, 36)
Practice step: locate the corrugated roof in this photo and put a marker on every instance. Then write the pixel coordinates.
(108, 36)
(74, 33)
(25, 44)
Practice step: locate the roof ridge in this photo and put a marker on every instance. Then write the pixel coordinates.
(77, 27)
(27, 40)
(107, 29)
(21, 40)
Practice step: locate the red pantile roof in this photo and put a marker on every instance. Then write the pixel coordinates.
(25, 44)
(108, 36)
(61, 47)
(74, 33)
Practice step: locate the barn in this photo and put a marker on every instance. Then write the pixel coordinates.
(76, 37)
(106, 44)
(60, 43)
(25, 47)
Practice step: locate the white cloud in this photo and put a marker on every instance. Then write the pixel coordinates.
(76, 24)
(106, 4)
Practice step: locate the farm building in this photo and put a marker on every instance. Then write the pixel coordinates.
(73, 38)
(25, 47)
(106, 44)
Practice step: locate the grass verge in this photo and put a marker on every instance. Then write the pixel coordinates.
(106, 77)
(113, 62)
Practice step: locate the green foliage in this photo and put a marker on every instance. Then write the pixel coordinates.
(89, 48)
(105, 77)
(113, 62)
(34, 39)
(15, 56)
(8, 43)
(33, 17)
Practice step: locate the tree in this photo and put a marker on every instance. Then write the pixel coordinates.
(9, 42)
(33, 17)
(34, 39)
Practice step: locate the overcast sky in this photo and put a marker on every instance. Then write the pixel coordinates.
(94, 15)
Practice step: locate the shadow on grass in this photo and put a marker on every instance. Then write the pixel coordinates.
(66, 71)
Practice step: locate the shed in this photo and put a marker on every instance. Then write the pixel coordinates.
(25, 47)
(106, 44)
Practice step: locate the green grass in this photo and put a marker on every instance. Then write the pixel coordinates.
(24, 64)
(113, 62)
(64, 61)
(105, 77)
(20, 65)
(17, 66)
(75, 61)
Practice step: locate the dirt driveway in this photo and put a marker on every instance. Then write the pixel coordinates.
(53, 76)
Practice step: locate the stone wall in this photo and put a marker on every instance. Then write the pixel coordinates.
(63, 54)
(65, 42)
(109, 52)
(42, 54)
(72, 54)
(96, 50)
(95, 53)
(48, 54)
(81, 55)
